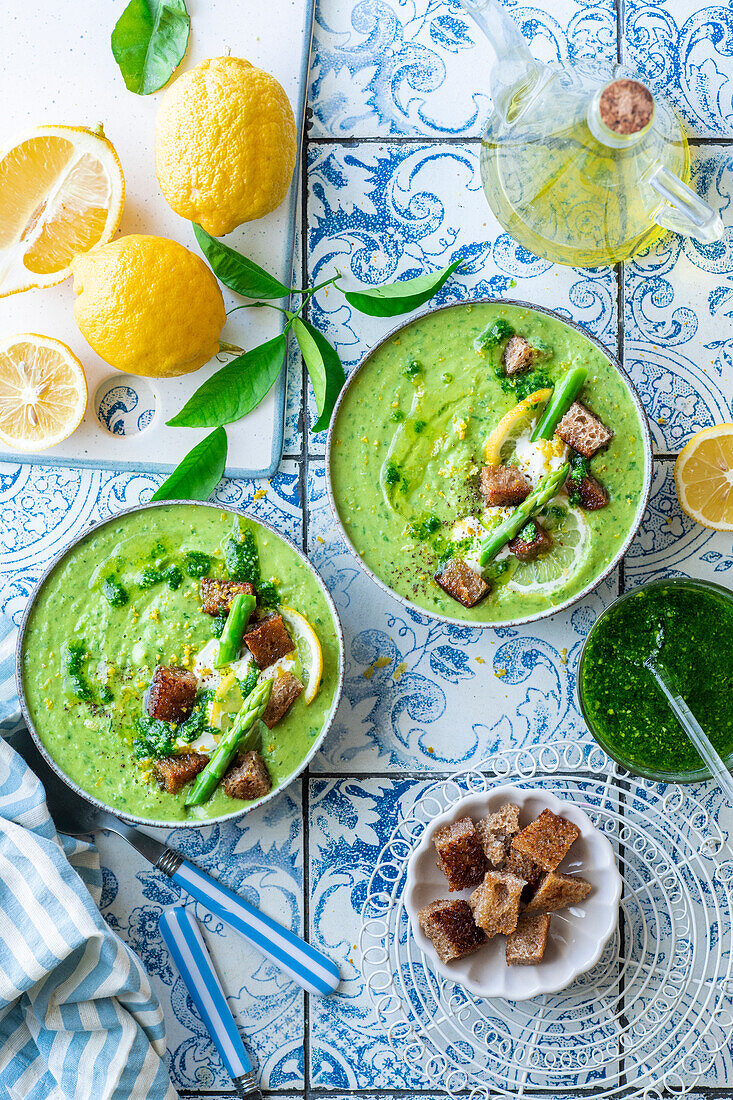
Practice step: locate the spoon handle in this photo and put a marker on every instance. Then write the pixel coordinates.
(183, 938)
(694, 730)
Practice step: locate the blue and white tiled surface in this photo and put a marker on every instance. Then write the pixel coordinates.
(398, 98)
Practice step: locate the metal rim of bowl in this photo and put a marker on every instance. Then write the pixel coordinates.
(196, 823)
(700, 774)
(643, 498)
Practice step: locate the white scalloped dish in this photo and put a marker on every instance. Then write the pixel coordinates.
(577, 934)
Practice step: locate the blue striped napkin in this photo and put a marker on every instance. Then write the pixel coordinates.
(78, 1017)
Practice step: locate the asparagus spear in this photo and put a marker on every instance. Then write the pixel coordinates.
(242, 607)
(513, 524)
(566, 390)
(240, 737)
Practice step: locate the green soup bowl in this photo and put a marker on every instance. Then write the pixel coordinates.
(383, 397)
(59, 733)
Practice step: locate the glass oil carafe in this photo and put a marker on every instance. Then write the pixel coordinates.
(582, 165)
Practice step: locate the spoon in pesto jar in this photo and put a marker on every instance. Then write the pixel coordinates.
(687, 720)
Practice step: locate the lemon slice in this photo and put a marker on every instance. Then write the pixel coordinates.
(43, 392)
(512, 424)
(571, 545)
(703, 477)
(309, 650)
(61, 193)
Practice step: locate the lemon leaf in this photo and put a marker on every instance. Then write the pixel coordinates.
(199, 472)
(236, 389)
(149, 41)
(325, 369)
(395, 298)
(241, 275)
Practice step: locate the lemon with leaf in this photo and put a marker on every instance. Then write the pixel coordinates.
(148, 306)
(225, 144)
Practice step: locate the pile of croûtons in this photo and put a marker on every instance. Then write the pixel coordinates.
(517, 884)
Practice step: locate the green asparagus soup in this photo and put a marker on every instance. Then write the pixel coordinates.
(687, 628)
(442, 490)
(124, 610)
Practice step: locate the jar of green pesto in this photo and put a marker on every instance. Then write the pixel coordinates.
(689, 625)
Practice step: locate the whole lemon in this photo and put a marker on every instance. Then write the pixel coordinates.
(225, 144)
(148, 306)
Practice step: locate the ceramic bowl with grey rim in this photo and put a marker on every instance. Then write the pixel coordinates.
(23, 712)
(551, 609)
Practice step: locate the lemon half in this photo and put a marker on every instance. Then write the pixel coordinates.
(43, 392)
(703, 477)
(61, 193)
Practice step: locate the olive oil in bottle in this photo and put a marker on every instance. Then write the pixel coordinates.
(582, 165)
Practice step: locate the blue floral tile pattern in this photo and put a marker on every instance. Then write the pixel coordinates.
(685, 50)
(350, 822)
(678, 304)
(418, 67)
(672, 545)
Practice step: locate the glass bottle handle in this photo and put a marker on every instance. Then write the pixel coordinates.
(686, 213)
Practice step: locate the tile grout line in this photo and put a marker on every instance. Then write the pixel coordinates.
(694, 140)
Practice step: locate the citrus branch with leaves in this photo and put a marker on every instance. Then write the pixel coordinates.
(239, 386)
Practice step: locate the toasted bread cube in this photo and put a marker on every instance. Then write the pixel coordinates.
(460, 855)
(285, 690)
(172, 693)
(583, 431)
(496, 831)
(217, 596)
(526, 944)
(503, 486)
(522, 867)
(556, 891)
(592, 494)
(531, 541)
(462, 583)
(519, 355)
(174, 772)
(547, 840)
(451, 929)
(269, 641)
(248, 777)
(495, 903)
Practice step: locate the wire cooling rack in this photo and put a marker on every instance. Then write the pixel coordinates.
(655, 1011)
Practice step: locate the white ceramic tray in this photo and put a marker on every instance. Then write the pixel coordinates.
(58, 68)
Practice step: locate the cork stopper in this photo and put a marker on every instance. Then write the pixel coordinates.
(626, 106)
